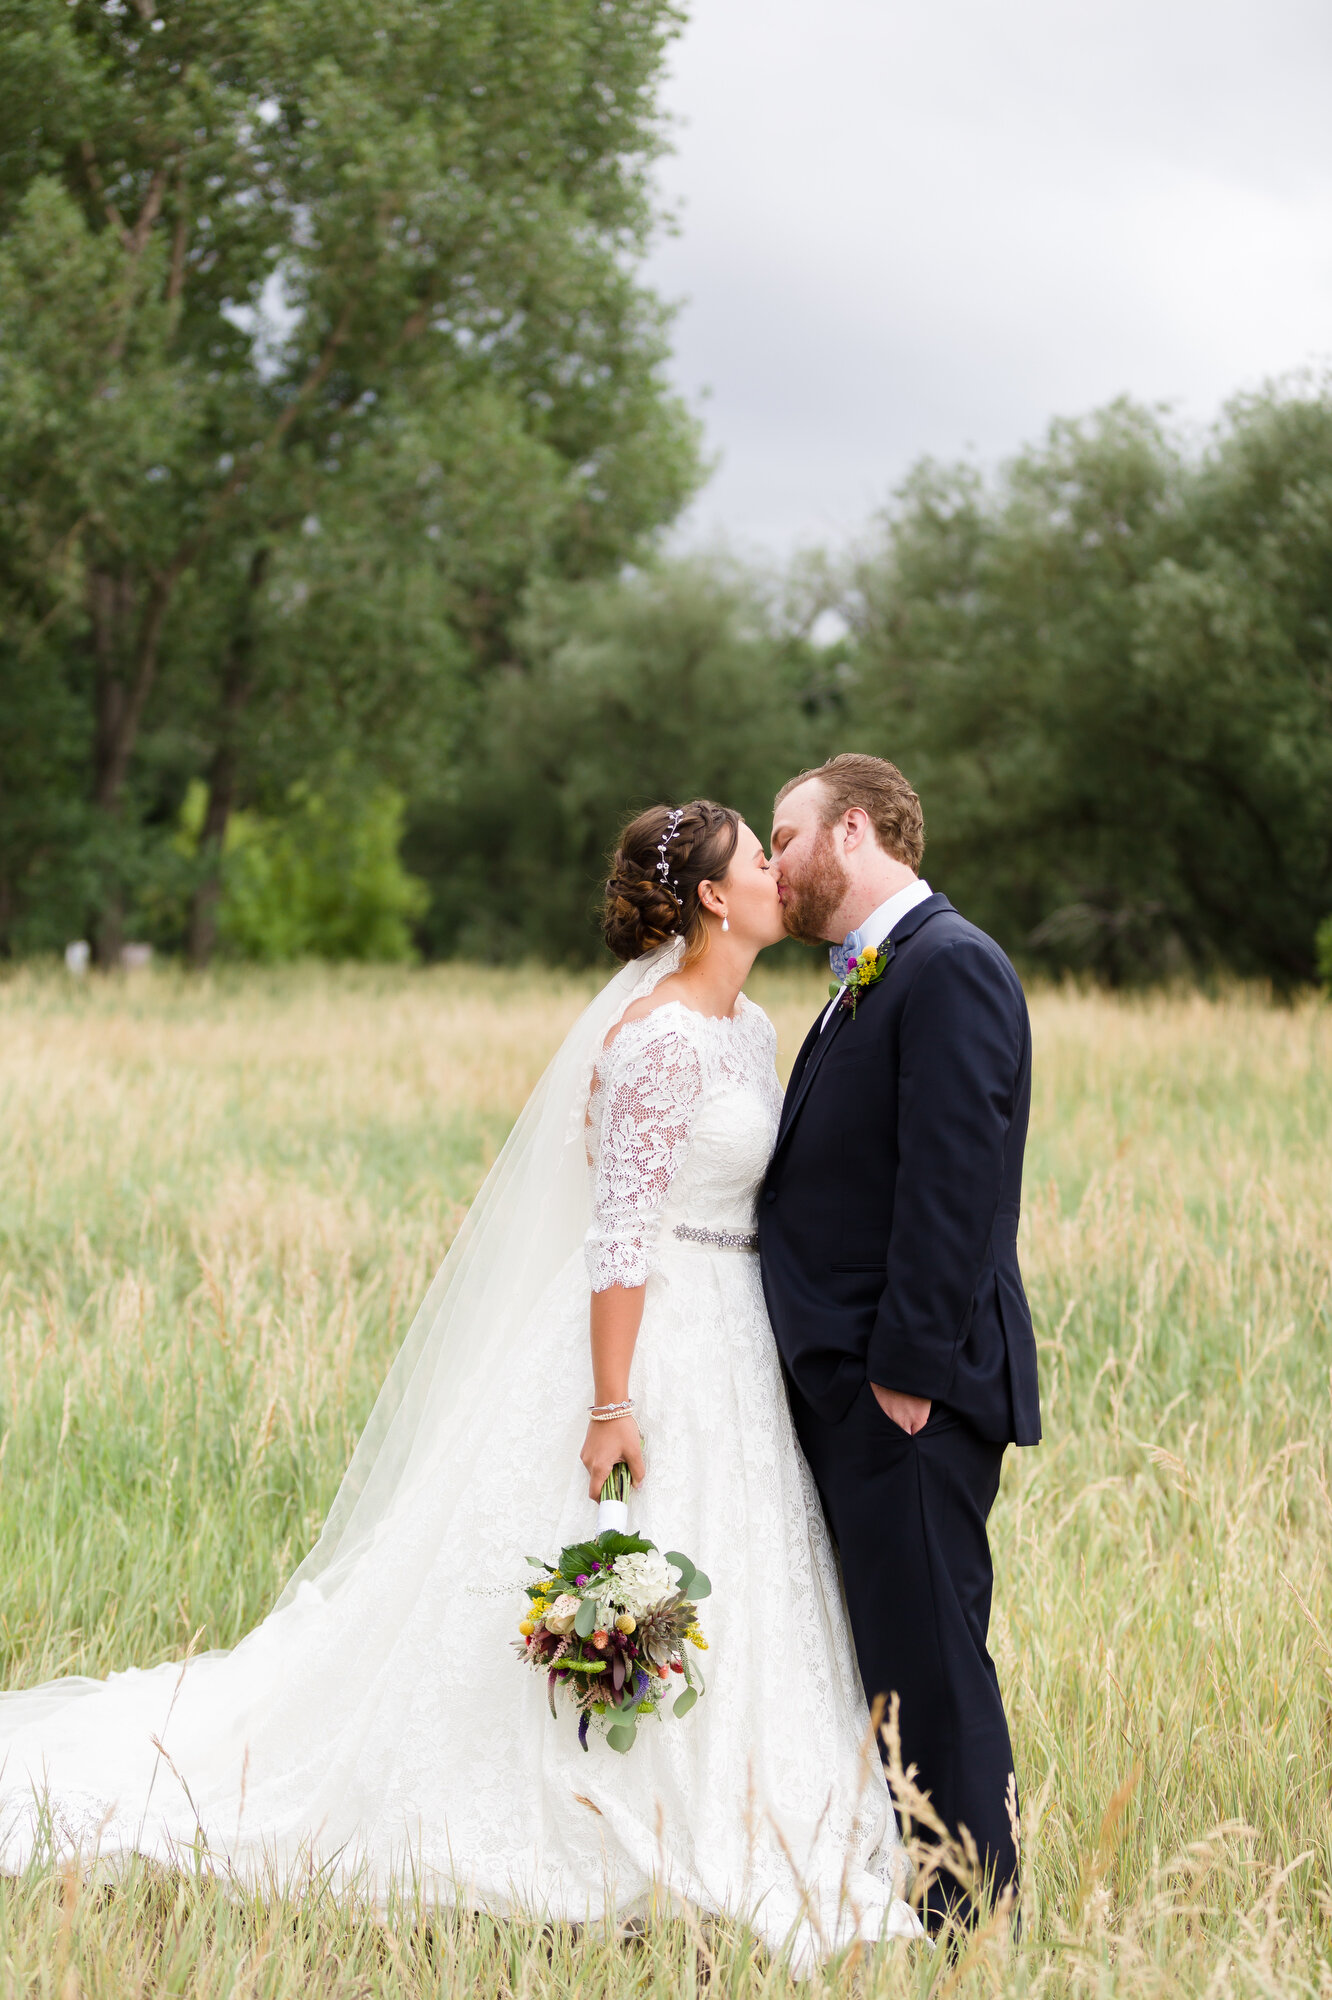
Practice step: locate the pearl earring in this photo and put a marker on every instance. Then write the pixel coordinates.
(726, 923)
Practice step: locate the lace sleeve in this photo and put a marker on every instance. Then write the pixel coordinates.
(653, 1086)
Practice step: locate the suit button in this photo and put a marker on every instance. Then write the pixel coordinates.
(770, 1194)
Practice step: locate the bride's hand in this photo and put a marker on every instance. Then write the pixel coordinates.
(603, 1448)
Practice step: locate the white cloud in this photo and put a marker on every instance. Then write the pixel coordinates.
(929, 227)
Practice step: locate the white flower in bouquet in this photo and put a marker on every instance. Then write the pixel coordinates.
(559, 1617)
(639, 1581)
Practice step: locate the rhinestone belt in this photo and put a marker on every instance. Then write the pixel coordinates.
(718, 1239)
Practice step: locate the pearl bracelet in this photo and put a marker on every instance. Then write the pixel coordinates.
(606, 1413)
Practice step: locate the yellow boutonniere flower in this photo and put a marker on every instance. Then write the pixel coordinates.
(862, 971)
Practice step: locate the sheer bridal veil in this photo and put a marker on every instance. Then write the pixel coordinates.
(103, 1749)
(529, 1218)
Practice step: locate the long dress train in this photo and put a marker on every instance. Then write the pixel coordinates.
(377, 1726)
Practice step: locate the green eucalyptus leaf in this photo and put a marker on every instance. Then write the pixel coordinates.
(585, 1624)
(699, 1586)
(685, 1700)
(685, 1567)
(621, 1736)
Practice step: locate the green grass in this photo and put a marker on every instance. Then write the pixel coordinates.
(219, 1202)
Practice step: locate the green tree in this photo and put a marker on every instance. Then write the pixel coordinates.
(323, 881)
(1324, 945)
(688, 679)
(1232, 679)
(319, 329)
(1109, 673)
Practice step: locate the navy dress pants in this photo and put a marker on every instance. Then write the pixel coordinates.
(908, 1516)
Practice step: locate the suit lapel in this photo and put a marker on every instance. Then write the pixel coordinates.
(812, 1038)
(819, 1041)
(800, 1084)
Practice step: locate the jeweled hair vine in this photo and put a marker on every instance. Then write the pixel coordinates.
(661, 858)
(663, 865)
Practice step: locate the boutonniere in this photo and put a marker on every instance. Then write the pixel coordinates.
(861, 972)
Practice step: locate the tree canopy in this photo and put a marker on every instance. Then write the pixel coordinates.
(336, 444)
(320, 337)
(690, 679)
(1109, 672)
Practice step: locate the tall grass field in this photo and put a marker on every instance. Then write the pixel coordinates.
(219, 1204)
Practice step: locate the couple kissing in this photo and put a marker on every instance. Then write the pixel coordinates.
(807, 1304)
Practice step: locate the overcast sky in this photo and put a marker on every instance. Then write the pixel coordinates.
(929, 227)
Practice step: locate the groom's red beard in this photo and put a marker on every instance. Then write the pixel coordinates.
(809, 906)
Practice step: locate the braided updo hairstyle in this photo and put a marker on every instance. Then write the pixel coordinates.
(642, 910)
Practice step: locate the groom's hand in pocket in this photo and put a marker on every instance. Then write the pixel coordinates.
(909, 1413)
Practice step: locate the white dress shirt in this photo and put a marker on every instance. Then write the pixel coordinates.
(880, 925)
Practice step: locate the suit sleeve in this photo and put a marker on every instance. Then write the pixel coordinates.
(962, 1036)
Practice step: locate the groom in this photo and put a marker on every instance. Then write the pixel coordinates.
(888, 1240)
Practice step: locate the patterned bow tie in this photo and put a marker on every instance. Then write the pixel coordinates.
(840, 955)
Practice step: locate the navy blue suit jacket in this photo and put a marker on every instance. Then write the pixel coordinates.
(888, 1216)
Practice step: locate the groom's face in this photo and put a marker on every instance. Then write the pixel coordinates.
(811, 877)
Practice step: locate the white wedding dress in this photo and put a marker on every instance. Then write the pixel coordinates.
(378, 1727)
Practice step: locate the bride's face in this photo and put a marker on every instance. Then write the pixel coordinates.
(753, 907)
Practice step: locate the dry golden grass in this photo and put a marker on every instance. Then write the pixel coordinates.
(220, 1200)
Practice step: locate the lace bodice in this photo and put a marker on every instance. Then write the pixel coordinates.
(682, 1118)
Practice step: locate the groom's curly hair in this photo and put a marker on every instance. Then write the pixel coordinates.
(643, 908)
(882, 794)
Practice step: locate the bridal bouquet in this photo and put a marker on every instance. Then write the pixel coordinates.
(608, 1626)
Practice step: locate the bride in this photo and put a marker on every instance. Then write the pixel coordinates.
(376, 1726)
